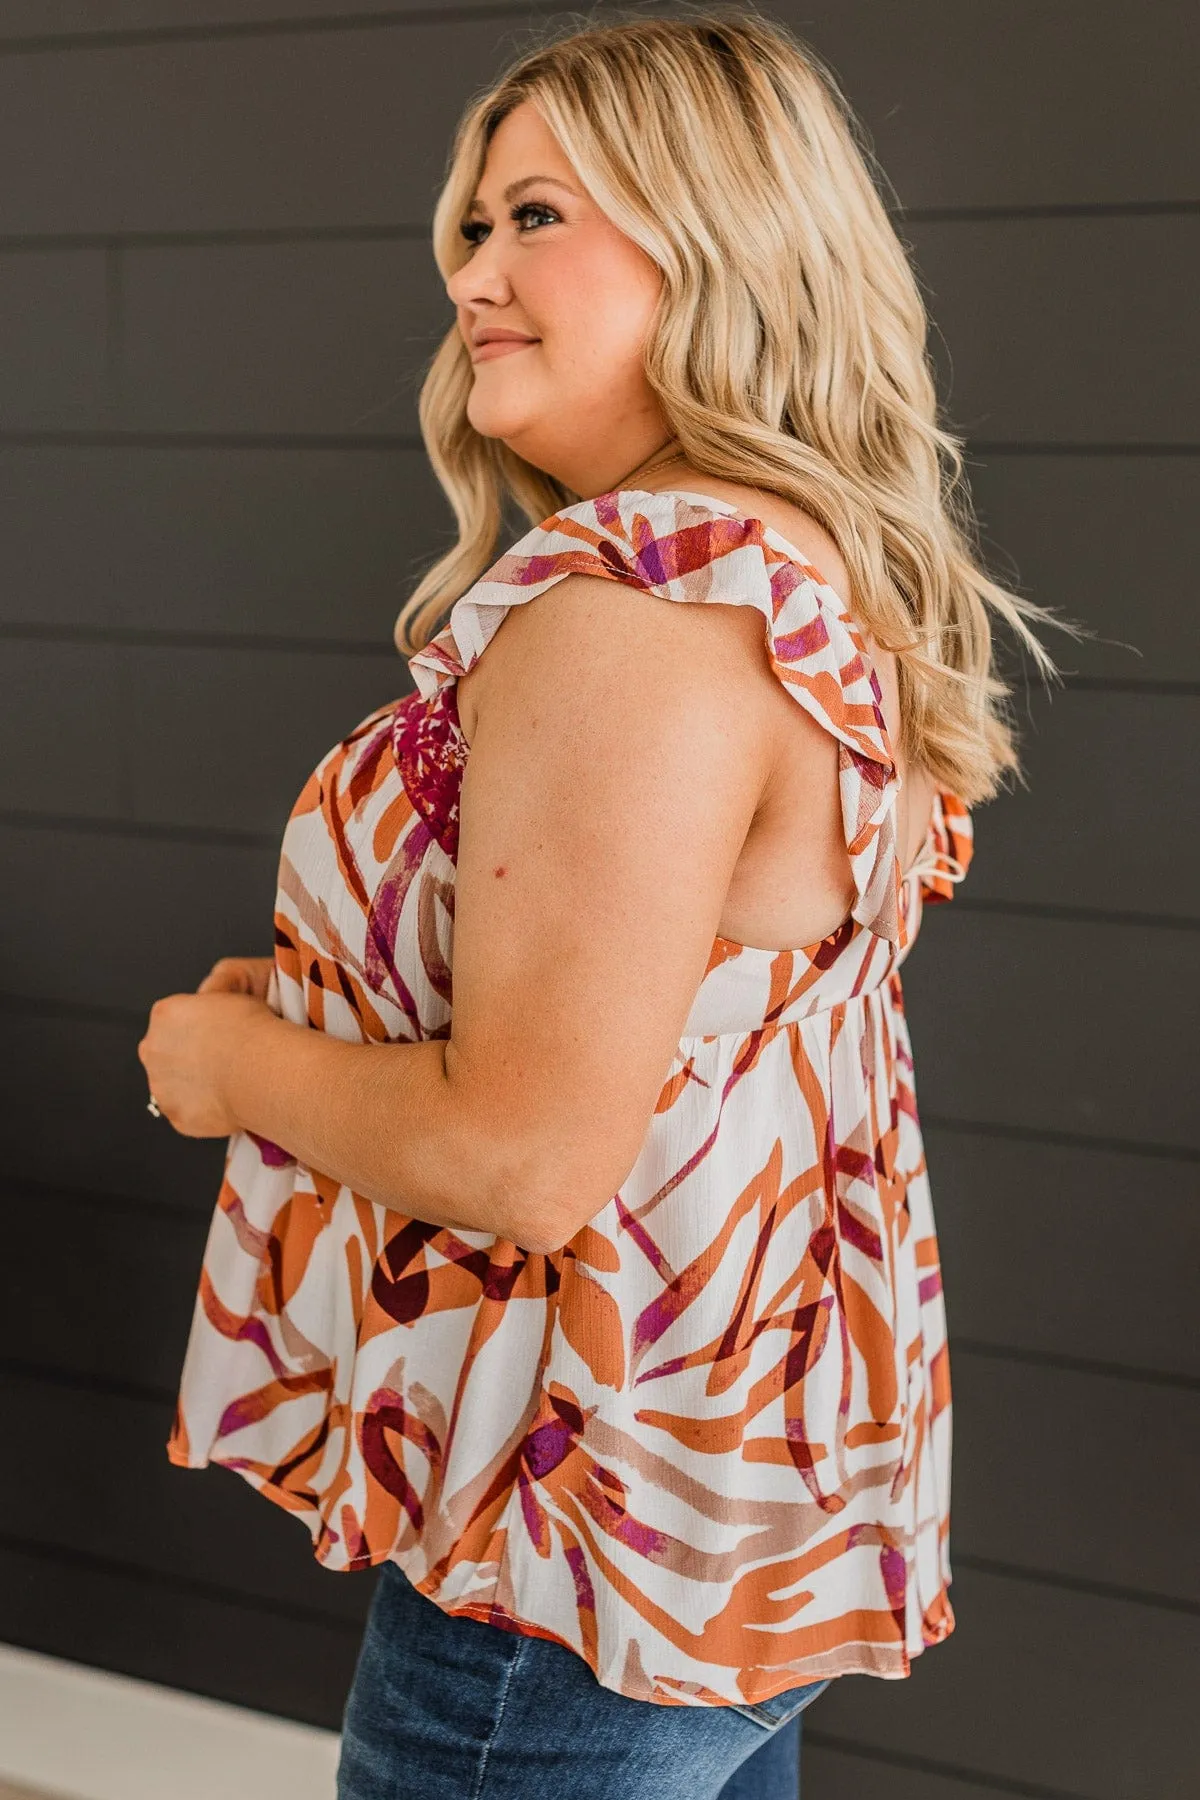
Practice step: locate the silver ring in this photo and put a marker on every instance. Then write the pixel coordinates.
(152, 1106)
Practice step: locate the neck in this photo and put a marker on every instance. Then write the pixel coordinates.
(661, 458)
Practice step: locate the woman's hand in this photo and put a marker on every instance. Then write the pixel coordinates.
(191, 1046)
(239, 975)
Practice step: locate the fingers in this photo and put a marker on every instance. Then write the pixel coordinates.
(239, 975)
(261, 980)
(229, 976)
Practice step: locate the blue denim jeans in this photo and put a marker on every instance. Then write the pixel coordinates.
(448, 1708)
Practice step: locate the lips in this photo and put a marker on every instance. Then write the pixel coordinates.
(501, 344)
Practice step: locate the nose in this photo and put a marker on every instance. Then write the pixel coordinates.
(481, 281)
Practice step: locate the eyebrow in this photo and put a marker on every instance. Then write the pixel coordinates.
(518, 187)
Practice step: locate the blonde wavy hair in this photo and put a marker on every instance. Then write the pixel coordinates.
(787, 351)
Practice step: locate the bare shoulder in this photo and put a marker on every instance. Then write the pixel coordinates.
(593, 641)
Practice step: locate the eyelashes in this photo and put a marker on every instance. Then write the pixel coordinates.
(471, 228)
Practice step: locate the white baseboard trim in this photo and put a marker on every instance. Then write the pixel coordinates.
(84, 1734)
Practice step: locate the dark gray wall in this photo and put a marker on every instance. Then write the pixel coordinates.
(215, 294)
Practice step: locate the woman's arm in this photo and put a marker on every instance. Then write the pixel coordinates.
(616, 764)
(385, 1119)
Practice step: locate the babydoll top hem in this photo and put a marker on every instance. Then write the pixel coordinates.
(886, 1662)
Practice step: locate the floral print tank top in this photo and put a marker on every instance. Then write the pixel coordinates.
(706, 1444)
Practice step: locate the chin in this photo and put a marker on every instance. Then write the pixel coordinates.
(504, 400)
(498, 421)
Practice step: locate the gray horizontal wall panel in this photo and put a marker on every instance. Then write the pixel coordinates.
(1055, 1026)
(309, 337)
(73, 1114)
(206, 1525)
(971, 106)
(274, 337)
(1045, 1248)
(61, 729)
(1108, 541)
(834, 1774)
(1060, 1471)
(291, 130)
(47, 19)
(291, 544)
(107, 1246)
(1065, 330)
(54, 325)
(205, 739)
(1017, 105)
(114, 921)
(231, 1649)
(229, 738)
(1090, 760)
(1063, 1691)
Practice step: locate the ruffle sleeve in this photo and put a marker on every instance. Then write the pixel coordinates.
(681, 546)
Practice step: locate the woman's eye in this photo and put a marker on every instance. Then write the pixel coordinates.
(532, 206)
(474, 230)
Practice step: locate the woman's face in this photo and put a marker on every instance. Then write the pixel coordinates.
(567, 392)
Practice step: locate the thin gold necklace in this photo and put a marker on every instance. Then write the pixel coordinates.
(659, 462)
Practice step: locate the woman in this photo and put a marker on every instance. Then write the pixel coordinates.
(598, 1301)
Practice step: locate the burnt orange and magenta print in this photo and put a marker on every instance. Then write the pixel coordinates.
(706, 1445)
